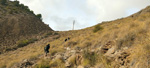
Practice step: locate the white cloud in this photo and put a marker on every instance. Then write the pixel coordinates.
(59, 14)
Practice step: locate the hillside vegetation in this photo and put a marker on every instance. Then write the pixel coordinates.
(122, 43)
(19, 23)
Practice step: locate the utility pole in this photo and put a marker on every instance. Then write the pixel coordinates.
(73, 24)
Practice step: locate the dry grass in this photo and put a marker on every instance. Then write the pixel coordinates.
(43, 63)
(132, 32)
(58, 63)
(31, 52)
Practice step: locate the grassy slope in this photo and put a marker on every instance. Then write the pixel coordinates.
(132, 32)
(17, 23)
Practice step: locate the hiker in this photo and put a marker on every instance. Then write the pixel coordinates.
(67, 39)
(46, 49)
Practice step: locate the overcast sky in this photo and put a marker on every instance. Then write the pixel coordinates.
(59, 14)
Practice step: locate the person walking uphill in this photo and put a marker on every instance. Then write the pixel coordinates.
(46, 49)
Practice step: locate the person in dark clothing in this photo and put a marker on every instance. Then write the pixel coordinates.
(68, 38)
(46, 49)
(65, 40)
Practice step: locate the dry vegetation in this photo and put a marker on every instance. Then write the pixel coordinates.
(132, 33)
(18, 23)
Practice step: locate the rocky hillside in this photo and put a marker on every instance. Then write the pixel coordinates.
(122, 43)
(18, 22)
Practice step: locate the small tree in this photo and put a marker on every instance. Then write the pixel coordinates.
(3, 2)
(97, 28)
(16, 3)
(39, 16)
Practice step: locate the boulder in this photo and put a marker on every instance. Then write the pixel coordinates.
(80, 66)
(110, 52)
(68, 64)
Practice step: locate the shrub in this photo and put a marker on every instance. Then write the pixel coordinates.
(47, 34)
(8, 49)
(72, 60)
(39, 16)
(3, 66)
(3, 2)
(90, 58)
(54, 51)
(32, 40)
(43, 64)
(32, 12)
(23, 43)
(10, 12)
(127, 40)
(56, 33)
(58, 63)
(16, 3)
(88, 44)
(97, 28)
(72, 43)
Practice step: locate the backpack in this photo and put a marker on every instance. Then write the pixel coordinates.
(47, 48)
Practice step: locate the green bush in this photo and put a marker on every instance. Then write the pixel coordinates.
(43, 64)
(58, 63)
(90, 58)
(127, 40)
(48, 34)
(16, 3)
(23, 43)
(23, 7)
(3, 66)
(10, 12)
(56, 33)
(3, 2)
(32, 12)
(97, 28)
(39, 16)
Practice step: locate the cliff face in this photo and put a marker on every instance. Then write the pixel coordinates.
(18, 22)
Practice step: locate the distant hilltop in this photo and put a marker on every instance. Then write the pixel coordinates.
(18, 22)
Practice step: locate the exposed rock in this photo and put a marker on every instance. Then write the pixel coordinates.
(73, 51)
(125, 48)
(68, 64)
(110, 52)
(122, 59)
(122, 67)
(68, 48)
(79, 59)
(106, 47)
(77, 48)
(100, 66)
(80, 66)
(24, 64)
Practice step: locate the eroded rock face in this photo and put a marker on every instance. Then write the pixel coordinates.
(117, 58)
(106, 47)
(110, 52)
(80, 66)
(24, 64)
(68, 64)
